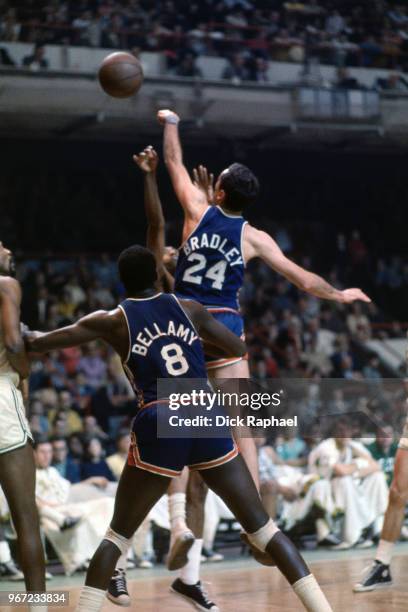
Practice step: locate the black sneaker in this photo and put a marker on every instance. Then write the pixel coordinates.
(377, 576)
(117, 590)
(9, 571)
(195, 594)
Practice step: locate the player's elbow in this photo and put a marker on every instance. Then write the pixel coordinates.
(306, 284)
(13, 344)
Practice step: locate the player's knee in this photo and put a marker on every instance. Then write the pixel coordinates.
(398, 494)
(262, 537)
(120, 541)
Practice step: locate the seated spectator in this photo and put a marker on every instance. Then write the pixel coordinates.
(358, 484)
(236, 71)
(188, 67)
(66, 409)
(38, 418)
(67, 467)
(36, 61)
(10, 28)
(94, 463)
(75, 528)
(259, 70)
(76, 447)
(93, 429)
(384, 449)
(358, 323)
(393, 82)
(291, 448)
(117, 461)
(345, 81)
(305, 496)
(372, 369)
(92, 365)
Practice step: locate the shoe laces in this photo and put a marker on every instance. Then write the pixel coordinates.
(120, 580)
(204, 593)
(368, 569)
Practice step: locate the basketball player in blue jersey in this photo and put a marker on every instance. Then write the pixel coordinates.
(158, 336)
(217, 244)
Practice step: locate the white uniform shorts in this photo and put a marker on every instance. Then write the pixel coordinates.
(14, 427)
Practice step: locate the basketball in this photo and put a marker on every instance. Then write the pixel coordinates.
(121, 75)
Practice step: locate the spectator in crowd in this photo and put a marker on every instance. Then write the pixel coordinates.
(236, 70)
(291, 448)
(76, 447)
(67, 467)
(93, 366)
(65, 410)
(393, 82)
(259, 70)
(345, 81)
(74, 528)
(94, 463)
(188, 67)
(36, 61)
(10, 28)
(116, 462)
(358, 484)
(384, 449)
(371, 371)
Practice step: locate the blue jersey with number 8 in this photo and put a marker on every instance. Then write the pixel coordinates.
(163, 343)
(210, 265)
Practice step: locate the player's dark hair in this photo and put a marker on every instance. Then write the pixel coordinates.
(241, 187)
(137, 269)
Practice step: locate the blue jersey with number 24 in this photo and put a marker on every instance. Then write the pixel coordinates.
(210, 265)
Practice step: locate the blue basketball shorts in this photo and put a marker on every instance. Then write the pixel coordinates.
(235, 323)
(168, 456)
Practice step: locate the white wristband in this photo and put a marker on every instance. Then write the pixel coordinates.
(172, 120)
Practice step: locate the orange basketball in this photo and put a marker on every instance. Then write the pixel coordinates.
(121, 74)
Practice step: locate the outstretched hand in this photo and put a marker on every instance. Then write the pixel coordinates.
(147, 160)
(205, 182)
(352, 295)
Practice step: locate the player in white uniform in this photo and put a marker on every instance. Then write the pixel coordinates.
(17, 469)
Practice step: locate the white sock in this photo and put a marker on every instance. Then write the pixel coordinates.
(190, 573)
(90, 600)
(5, 556)
(311, 595)
(177, 511)
(384, 551)
(122, 561)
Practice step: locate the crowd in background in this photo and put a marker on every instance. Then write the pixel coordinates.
(248, 32)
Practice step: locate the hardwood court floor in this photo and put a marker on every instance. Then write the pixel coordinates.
(254, 588)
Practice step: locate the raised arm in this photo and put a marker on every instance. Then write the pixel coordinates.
(10, 302)
(147, 161)
(190, 197)
(260, 244)
(213, 332)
